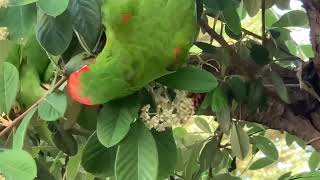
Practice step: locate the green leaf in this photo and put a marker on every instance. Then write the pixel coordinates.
(291, 138)
(294, 18)
(224, 119)
(231, 17)
(167, 150)
(115, 119)
(252, 6)
(261, 163)
(64, 141)
(255, 94)
(238, 88)
(20, 21)
(260, 54)
(190, 79)
(88, 118)
(220, 106)
(53, 107)
(137, 156)
(191, 165)
(307, 50)
(242, 11)
(208, 153)
(284, 176)
(266, 146)
(20, 2)
(73, 166)
(314, 160)
(9, 81)
(239, 141)
(315, 175)
(18, 138)
(54, 33)
(206, 48)
(219, 100)
(17, 165)
(53, 7)
(98, 159)
(283, 4)
(280, 87)
(86, 20)
(202, 124)
(226, 176)
(271, 18)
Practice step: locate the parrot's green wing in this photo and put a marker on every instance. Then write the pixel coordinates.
(145, 39)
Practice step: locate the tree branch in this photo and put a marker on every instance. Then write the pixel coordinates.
(18, 119)
(296, 118)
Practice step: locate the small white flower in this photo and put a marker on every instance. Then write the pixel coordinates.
(169, 113)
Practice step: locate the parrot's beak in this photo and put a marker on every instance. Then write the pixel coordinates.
(74, 86)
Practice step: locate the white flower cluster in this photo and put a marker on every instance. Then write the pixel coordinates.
(4, 33)
(169, 113)
(3, 3)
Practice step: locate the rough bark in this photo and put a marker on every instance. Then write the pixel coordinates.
(302, 116)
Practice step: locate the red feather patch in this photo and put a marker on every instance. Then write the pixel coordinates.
(74, 86)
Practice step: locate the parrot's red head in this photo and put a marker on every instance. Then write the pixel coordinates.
(74, 86)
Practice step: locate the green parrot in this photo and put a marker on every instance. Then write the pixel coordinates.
(146, 39)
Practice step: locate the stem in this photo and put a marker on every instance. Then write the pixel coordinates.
(55, 161)
(18, 119)
(263, 12)
(246, 168)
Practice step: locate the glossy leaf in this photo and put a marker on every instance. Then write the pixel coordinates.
(53, 107)
(64, 141)
(231, 17)
(266, 146)
(239, 141)
(167, 150)
(307, 50)
(9, 81)
(53, 7)
(219, 100)
(18, 138)
(314, 160)
(280, 87)
(137, 156)
(98, 159)
(208, 153)
(284, 176)
(238, 88)
(203, 124)
(294, 18)
(206, 48)
(20, 2)
(261, 163)
(73, 166)
(115, 119)
(20, 21)
(315, 175)
(17, 164)
(226, 176)
(255, 95)
(283, 4)
(190, 79)
(54, 33)
(252, 6)
(86, 20)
